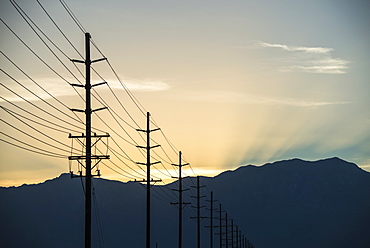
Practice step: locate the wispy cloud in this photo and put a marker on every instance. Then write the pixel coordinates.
(309, 59)
(317, 50)
(57, 88)
(141, 85)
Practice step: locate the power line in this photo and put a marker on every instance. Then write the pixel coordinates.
(136, 102)
(24, 99)
(33, 137)
(24, 15)
(28, 112)
(41, 124)
(60, 30)
(56, 25)
(37, 148)
(34, 53)
(74, 18)
(79, 120)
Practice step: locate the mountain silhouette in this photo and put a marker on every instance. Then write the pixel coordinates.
(291, 203)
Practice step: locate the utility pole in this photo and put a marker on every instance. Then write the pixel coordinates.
(88, 145)
(232, 233)
(240, 238)
(211, 220)
(220, 226)
(198, 207)
(148, 179)
(180, 203)
(226, 231)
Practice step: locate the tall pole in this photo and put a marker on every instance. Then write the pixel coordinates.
(180, 203)
(148, 179)
(88, 144)
(198, 207)
(87, 137)
(211, 218)
(240, 238)
(148, 182)
(226, 231)
(232, 233)
(220, 226)
(198, 212)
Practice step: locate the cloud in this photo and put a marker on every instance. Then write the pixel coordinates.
(58, 88)
(318, 50)
(309, 59)
(140, 85)
(31, 92)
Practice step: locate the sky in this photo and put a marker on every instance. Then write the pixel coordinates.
(229, 83)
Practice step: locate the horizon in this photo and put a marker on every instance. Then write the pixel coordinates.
(170, 181)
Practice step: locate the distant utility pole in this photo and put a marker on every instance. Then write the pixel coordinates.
(180, 203)
(198, 207)
(211, 220)
(232, 233)
(240, 238)
(88, 145)
(148, 179)
(220, 225)
(226, 231)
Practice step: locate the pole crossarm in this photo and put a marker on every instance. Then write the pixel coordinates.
(92, 157)
(93, 136)
(97, 60)
(158, 162)
(78, 61)
(146, 131)
(77, 85)
(102, 108)
(180, 165)
(98, 84)
(78, 110)
(146, 147)
(84, 111)
(83, 62)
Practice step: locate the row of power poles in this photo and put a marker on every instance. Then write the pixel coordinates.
(86, 160)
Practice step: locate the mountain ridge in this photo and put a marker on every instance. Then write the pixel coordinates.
(290, 203)
(280, 162)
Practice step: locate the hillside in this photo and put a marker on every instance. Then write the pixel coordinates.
(292, 203)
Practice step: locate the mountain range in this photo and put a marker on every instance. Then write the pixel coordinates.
(290, 203)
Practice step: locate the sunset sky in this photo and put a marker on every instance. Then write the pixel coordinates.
(229, 83)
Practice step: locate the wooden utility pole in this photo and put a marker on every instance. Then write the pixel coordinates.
(88, 145)
(148, 178)
(211, 226)
(220, 226)
(198, 207)
(180, 203)
(226, 231)
(232, 233)
(237, 237)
